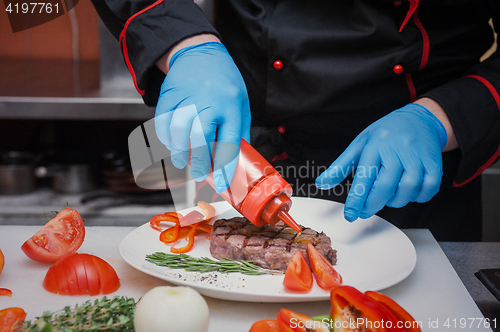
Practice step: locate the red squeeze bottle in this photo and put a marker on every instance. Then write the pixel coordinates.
(258, 191)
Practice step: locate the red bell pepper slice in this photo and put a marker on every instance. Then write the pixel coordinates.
(352, 310)
(170, 235)
(5, 292)
(207, 209)
(404, 319)
(289, 320)
(203, 226)
(265, 325)
(325, 274)
(192, 217)
(190, 244)
(298, 275)
(168, 217)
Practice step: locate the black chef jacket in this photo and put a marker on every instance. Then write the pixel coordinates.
(319, 72)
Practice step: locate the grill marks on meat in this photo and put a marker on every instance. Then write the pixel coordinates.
(270, 246)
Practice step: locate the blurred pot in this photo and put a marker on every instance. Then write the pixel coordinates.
(16, 173)
(70, 178)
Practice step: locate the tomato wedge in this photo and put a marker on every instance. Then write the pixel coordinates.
(325, 274)
(10, 317)
(408, 323)
(298, 276)
(81, 274)
(60, 237)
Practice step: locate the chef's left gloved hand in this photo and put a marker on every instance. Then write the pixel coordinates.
(398, 160)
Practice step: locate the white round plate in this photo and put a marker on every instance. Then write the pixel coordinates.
(372, 254)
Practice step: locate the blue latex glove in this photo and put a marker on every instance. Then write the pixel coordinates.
(398, 160)
(203, 95)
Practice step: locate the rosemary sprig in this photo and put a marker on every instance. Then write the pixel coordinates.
(116, 314)
(205, 264)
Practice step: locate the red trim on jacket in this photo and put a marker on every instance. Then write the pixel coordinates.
(411, 87)
(411, 10)
(425, 40)
(283, 156)
(496, 155)
(123, 43)
(425, 46)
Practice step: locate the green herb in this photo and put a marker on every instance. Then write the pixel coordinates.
(205, 264)
(116, 314)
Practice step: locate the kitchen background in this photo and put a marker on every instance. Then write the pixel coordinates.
(67, 102)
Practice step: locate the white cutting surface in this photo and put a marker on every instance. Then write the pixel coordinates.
(433, 293)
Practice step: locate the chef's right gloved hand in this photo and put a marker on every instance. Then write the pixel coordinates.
(203, 99)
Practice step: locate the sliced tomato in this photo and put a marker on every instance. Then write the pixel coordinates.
(108, 278)
(350, 306)
(325, 274)
(50, 281)
(94, 286)
(407, 322)
(81, 274)
(265, 325)
(5, 292)
(10, 317)
(2, 261)
(62, 279)
(298, 276)
(60, 237)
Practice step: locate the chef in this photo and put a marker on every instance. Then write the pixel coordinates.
(384, 105)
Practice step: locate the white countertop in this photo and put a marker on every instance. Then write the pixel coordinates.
(433, 293)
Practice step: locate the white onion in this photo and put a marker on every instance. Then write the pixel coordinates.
(165, 309)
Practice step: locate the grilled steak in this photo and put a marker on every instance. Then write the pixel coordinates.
(270, 247)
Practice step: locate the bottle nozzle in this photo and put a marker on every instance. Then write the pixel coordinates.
(287, 219)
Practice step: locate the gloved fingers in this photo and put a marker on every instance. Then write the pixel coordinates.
(384, 187)
(366, 173)
(431, 182)
(246, 122)
(343, 165)
(163, 117)
(226, 152)
(180, 131)
(408, 187)
(201, 141)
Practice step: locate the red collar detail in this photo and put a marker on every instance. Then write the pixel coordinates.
(411, 10)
